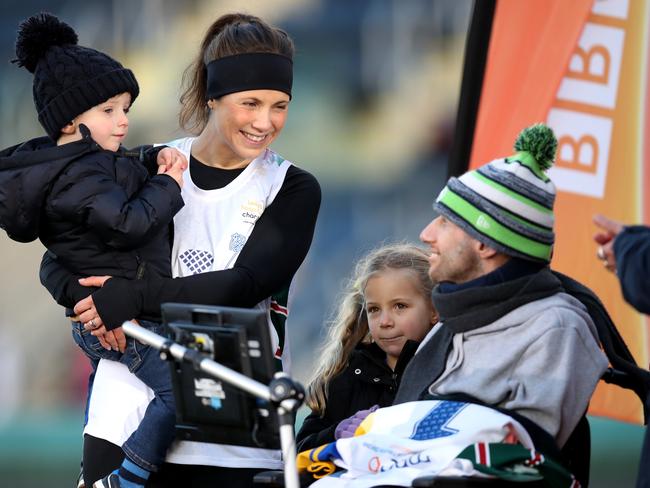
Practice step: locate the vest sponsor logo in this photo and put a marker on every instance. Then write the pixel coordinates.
(251, 210)
(196, 260)
(237, 242)
(253, 206)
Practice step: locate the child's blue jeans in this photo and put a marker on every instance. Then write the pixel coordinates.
(148, 445)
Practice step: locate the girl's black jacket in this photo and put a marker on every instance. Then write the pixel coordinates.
(98, 212)
(366, 381)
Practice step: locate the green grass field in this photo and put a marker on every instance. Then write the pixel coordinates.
(44, 450)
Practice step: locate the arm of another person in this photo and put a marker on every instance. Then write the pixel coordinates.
(632, 252)
(556, 375)
(270, 258)
(62, 284)
(101, 204)
(66, 290)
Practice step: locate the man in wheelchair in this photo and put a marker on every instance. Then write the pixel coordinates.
(510, 336)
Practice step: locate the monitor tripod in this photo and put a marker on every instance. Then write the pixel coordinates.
(283, 393)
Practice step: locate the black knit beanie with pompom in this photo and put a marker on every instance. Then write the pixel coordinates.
(68, 79)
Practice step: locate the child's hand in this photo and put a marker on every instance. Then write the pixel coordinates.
(167, 157)
(175, 171)
(172, 162)
(347, 427)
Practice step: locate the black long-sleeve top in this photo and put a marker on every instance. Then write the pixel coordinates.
(271, 256)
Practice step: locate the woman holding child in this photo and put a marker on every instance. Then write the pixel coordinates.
(249, 218)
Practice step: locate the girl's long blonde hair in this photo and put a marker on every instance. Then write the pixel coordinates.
(349, 325)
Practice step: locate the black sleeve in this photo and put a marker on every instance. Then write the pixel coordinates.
(61, 283)
(315, 431)
(632, 251)
(342, 402)
(271, 256)
(148, 156)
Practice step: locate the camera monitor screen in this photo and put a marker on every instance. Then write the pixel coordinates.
(209, 409)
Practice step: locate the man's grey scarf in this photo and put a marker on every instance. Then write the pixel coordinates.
(466, 310)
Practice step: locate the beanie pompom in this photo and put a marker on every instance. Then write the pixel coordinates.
(37, 34)
(540, 142)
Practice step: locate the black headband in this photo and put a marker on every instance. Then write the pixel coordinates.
(249, 71)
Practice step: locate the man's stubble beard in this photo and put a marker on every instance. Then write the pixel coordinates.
(463, 264)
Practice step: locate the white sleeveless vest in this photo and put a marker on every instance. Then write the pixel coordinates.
(211, 229)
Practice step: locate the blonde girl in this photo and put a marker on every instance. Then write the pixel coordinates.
(385, 311)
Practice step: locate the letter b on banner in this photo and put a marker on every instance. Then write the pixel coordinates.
(583, 151)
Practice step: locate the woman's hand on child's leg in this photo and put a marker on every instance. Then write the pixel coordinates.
(85, 309)
(112, 339)
(87, 313)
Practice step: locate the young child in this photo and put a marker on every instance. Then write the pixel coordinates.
(93, 204)
(385, 312)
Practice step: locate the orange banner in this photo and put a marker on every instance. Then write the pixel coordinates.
(581, 66)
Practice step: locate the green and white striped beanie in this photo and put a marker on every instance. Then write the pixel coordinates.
(507, 204)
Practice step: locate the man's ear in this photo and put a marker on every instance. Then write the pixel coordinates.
(69, 128)
(485, 251)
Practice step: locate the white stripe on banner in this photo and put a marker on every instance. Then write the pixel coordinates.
(590, 86)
